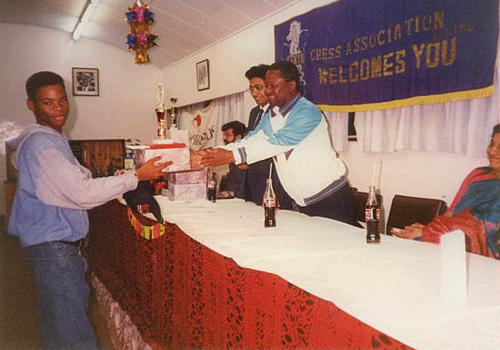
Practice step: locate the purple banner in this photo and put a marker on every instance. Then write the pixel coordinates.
(357, 55)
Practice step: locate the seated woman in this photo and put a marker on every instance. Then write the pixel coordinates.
(475, 209)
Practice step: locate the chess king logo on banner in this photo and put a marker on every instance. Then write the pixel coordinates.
(295, 48)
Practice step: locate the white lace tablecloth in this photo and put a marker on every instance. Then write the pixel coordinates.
(122, 331)
(394, 286)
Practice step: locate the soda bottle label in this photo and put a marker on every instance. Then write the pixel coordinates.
(368, 214)
(269, 202)
(372, 213)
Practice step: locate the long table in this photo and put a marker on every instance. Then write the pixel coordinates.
(218, 279)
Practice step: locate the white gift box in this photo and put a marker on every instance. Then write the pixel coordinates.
(188, 177)
(178, 155)
(185, 192)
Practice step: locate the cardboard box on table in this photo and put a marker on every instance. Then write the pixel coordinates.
(183, 183)
(187, 185)
(179, 154)
(185, 192)
(188, 177)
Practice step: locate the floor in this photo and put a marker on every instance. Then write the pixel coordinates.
(18, 327)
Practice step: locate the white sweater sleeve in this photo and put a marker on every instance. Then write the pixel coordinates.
(298, 125)
(259, 148)
(62, 184)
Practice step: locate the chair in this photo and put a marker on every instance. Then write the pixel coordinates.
(361, 199)
(406, 210)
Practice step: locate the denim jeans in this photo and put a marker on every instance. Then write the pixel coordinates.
(61, 296)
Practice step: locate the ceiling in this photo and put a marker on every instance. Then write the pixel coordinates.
(183, 26)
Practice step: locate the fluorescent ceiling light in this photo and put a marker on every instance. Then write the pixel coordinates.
(89, 10)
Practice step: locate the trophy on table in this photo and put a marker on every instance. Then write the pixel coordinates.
(161, 114)
(173, 114)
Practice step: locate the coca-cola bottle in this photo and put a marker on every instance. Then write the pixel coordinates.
(372, 217)
(269, 203)
(211, 186)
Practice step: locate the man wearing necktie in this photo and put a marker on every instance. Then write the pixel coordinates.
(295, 133)
(258, 172)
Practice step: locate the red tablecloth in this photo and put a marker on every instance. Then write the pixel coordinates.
(180, 294)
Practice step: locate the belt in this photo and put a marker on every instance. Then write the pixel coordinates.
(327, 191)
(77, 244)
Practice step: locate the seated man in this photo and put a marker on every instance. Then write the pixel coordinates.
(234, 180)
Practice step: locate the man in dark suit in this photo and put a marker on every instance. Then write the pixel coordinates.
(258, 172)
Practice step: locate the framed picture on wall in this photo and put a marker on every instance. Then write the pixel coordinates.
(85, 81)
(202, 75)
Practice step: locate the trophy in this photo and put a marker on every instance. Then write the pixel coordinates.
(173, 115)
(161, 114)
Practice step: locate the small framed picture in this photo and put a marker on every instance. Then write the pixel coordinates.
(85, 81)
(202, 75)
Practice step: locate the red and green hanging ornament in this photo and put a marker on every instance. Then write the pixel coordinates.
(140, 39)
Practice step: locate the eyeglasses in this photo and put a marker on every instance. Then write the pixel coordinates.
(257, 88)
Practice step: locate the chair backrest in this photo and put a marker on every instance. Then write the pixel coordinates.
(361, 199)
(406, 210)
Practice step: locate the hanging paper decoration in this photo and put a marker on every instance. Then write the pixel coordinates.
(140, 39)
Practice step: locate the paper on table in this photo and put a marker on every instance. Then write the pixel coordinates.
(453, 268)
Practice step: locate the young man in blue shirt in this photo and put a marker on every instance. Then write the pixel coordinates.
(49, 213)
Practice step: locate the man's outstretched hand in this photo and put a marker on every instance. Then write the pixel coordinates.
(211, 157)
(150, 170)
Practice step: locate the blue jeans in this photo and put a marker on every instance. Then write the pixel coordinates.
(61, 296)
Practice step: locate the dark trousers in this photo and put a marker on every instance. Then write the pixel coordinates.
(340, 206)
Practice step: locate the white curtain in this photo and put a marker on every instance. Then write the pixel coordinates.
(462, 127)
(338, 125)
(227, 108)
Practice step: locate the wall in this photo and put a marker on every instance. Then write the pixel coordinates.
(435, 175)
(124, 109)
(230, 58)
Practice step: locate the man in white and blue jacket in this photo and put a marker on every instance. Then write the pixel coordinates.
(295, 133)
